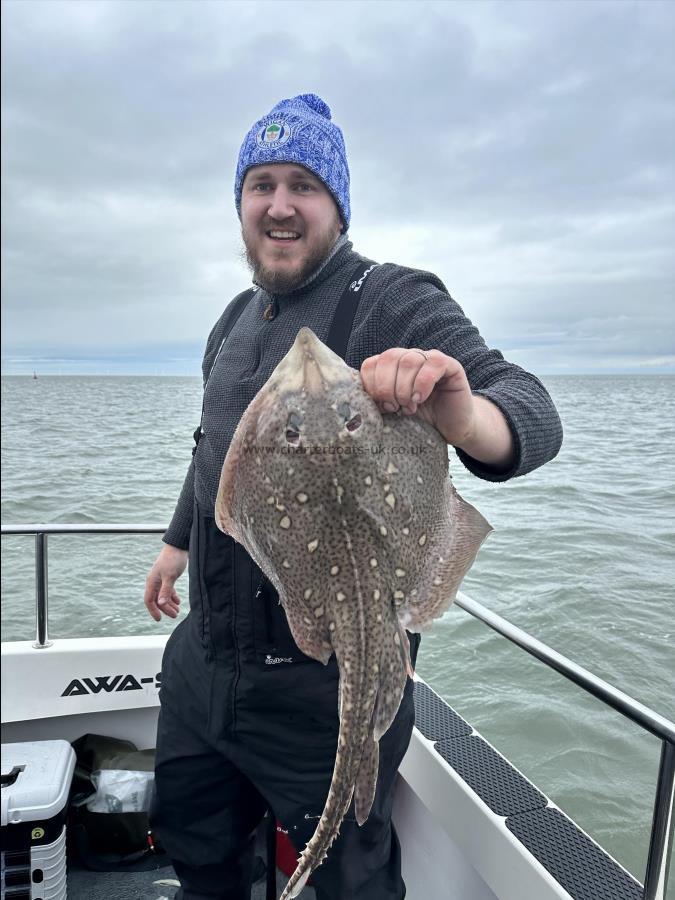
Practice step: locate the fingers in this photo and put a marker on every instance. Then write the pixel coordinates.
(402, 378)
(160, 596)
(168, 600)
(150, 600)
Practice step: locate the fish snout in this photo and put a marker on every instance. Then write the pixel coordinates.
(310, 367)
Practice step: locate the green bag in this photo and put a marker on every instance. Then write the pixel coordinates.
(108, 824)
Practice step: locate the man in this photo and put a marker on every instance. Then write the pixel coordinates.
(247, 721)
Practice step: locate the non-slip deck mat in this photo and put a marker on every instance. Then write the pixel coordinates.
(434, 718)
(494, 779)
(580, 866)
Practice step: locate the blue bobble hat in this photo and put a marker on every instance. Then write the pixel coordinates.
(299, 130)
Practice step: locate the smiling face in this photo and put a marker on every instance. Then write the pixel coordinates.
(289, 224)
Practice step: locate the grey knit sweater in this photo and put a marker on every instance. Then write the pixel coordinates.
(399, 307)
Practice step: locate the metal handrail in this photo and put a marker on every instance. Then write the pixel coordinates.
(632, 709)
(41, 570)
(63, 528)
(661, 838)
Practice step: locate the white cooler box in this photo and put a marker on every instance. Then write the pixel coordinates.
(36, 779)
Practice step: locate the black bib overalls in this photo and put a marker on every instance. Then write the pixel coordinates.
(246, 722)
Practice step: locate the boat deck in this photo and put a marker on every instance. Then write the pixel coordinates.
(155, 884)
(581, 869)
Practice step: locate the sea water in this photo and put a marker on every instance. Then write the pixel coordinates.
(582, 556)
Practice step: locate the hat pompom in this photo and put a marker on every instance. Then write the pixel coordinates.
(316, 103)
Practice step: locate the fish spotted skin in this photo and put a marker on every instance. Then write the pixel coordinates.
(352, 516)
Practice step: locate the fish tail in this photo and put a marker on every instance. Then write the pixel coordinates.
(298, 886)
(347, 764)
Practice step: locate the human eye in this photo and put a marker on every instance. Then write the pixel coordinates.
(304, 187)
(260, 187)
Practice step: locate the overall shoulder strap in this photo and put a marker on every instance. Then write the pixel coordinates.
(234, 310)
(345, 311)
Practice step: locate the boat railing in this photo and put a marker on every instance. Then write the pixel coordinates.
(661, 837)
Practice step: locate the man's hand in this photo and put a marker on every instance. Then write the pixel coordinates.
(435, 387)
(160, 596)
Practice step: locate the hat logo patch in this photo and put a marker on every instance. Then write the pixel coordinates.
(273, 135)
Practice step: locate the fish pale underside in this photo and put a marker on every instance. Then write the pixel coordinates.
(352, 516)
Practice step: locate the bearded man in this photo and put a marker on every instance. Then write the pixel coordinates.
(247, 721)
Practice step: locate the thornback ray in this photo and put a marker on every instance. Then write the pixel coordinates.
(352, 515)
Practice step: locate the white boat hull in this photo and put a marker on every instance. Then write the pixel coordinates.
(454, 845)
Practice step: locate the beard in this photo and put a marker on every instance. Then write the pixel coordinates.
(280, 281)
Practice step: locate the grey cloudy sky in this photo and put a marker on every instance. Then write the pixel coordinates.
(522, 151)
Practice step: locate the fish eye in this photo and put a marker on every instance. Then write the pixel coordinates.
(351, 422)
(293, 424)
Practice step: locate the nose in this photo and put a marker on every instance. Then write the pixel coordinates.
(281, 205)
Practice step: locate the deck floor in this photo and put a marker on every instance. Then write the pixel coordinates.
(86, 885)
